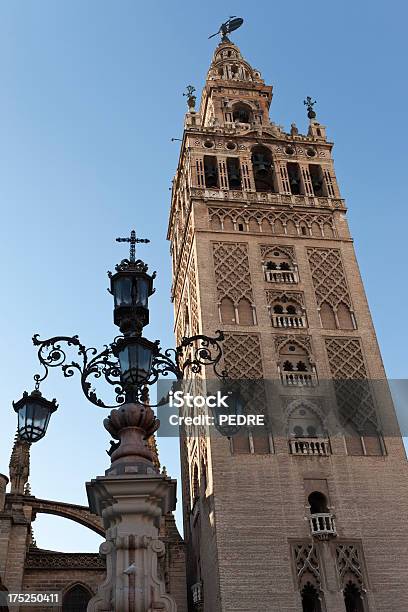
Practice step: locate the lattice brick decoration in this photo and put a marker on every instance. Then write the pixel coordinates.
(242, 356)
(345, 358)
(306, 562)
(348, 561)
(328, 277)
(232, 274)
(284, 296)
(317, 223)
(181, 268)
(352, 387)
(192, 285)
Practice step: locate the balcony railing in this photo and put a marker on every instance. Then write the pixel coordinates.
(287, 320)
(197, 592)
(299, 379)
(322, 525)
(309, 446)
(281, 276)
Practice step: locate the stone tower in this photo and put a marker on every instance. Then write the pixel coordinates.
(303, 515)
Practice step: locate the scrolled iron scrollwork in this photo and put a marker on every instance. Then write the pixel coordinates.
(194, 353)
(52, 353)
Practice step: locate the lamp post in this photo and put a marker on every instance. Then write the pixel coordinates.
(132, 496)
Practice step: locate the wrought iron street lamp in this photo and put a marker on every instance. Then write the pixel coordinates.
(130, 363)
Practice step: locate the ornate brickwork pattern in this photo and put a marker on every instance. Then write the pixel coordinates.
(267, 250)
(284, 296)
(349, 563)
(192, 286)
(316, 223)
(56, 560)
(328, 277)
(242, 356)
(180, 272)
(306, 562)
(232, 274)
(353, 392)
(303, 341)
(345, 358)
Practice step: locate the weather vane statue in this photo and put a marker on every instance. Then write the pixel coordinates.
(233, 23)
(191, 98)
(309, 103)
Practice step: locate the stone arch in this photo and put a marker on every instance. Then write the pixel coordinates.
(227, 311)
(76, 597)
(344, 317)
(73, 512)
(313, 417)
(327, 316)
(245, 312)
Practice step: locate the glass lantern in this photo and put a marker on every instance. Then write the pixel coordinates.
(34, 413)
(135, 357)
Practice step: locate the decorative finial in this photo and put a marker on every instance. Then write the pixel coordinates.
(309, 103)
(233, 23)
(133, 241)
(191, 98)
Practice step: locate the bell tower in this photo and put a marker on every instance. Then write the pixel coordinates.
(306, 514)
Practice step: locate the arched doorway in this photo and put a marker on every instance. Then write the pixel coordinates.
(76, 599)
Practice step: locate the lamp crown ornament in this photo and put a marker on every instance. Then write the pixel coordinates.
(133, 240)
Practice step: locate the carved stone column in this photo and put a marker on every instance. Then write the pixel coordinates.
(131, 499)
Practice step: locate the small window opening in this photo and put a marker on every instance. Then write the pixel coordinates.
(352, 598)
(316, 175)
(263, 169)
(318, 503)
(294, 178)
(242, 113)
(210, 171)
(304, 230)
(310, 599)
(278, 309)
(234, 173)
(240, 227)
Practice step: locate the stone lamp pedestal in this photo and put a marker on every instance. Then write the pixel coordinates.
(131, 499)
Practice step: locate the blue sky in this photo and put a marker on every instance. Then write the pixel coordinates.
(91, 96)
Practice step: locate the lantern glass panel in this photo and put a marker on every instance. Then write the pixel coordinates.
(122, 290)
(33, 420)
(142, 292)
(135, 363)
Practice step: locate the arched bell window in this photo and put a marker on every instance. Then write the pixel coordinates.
(76, 599)
(242, 113)
(263, 169)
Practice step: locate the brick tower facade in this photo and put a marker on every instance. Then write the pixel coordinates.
(301, 517)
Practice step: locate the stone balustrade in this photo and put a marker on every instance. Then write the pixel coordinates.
(322, 524)
(299, 379)
(281, 276)
(288, 320)
(310, 446)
